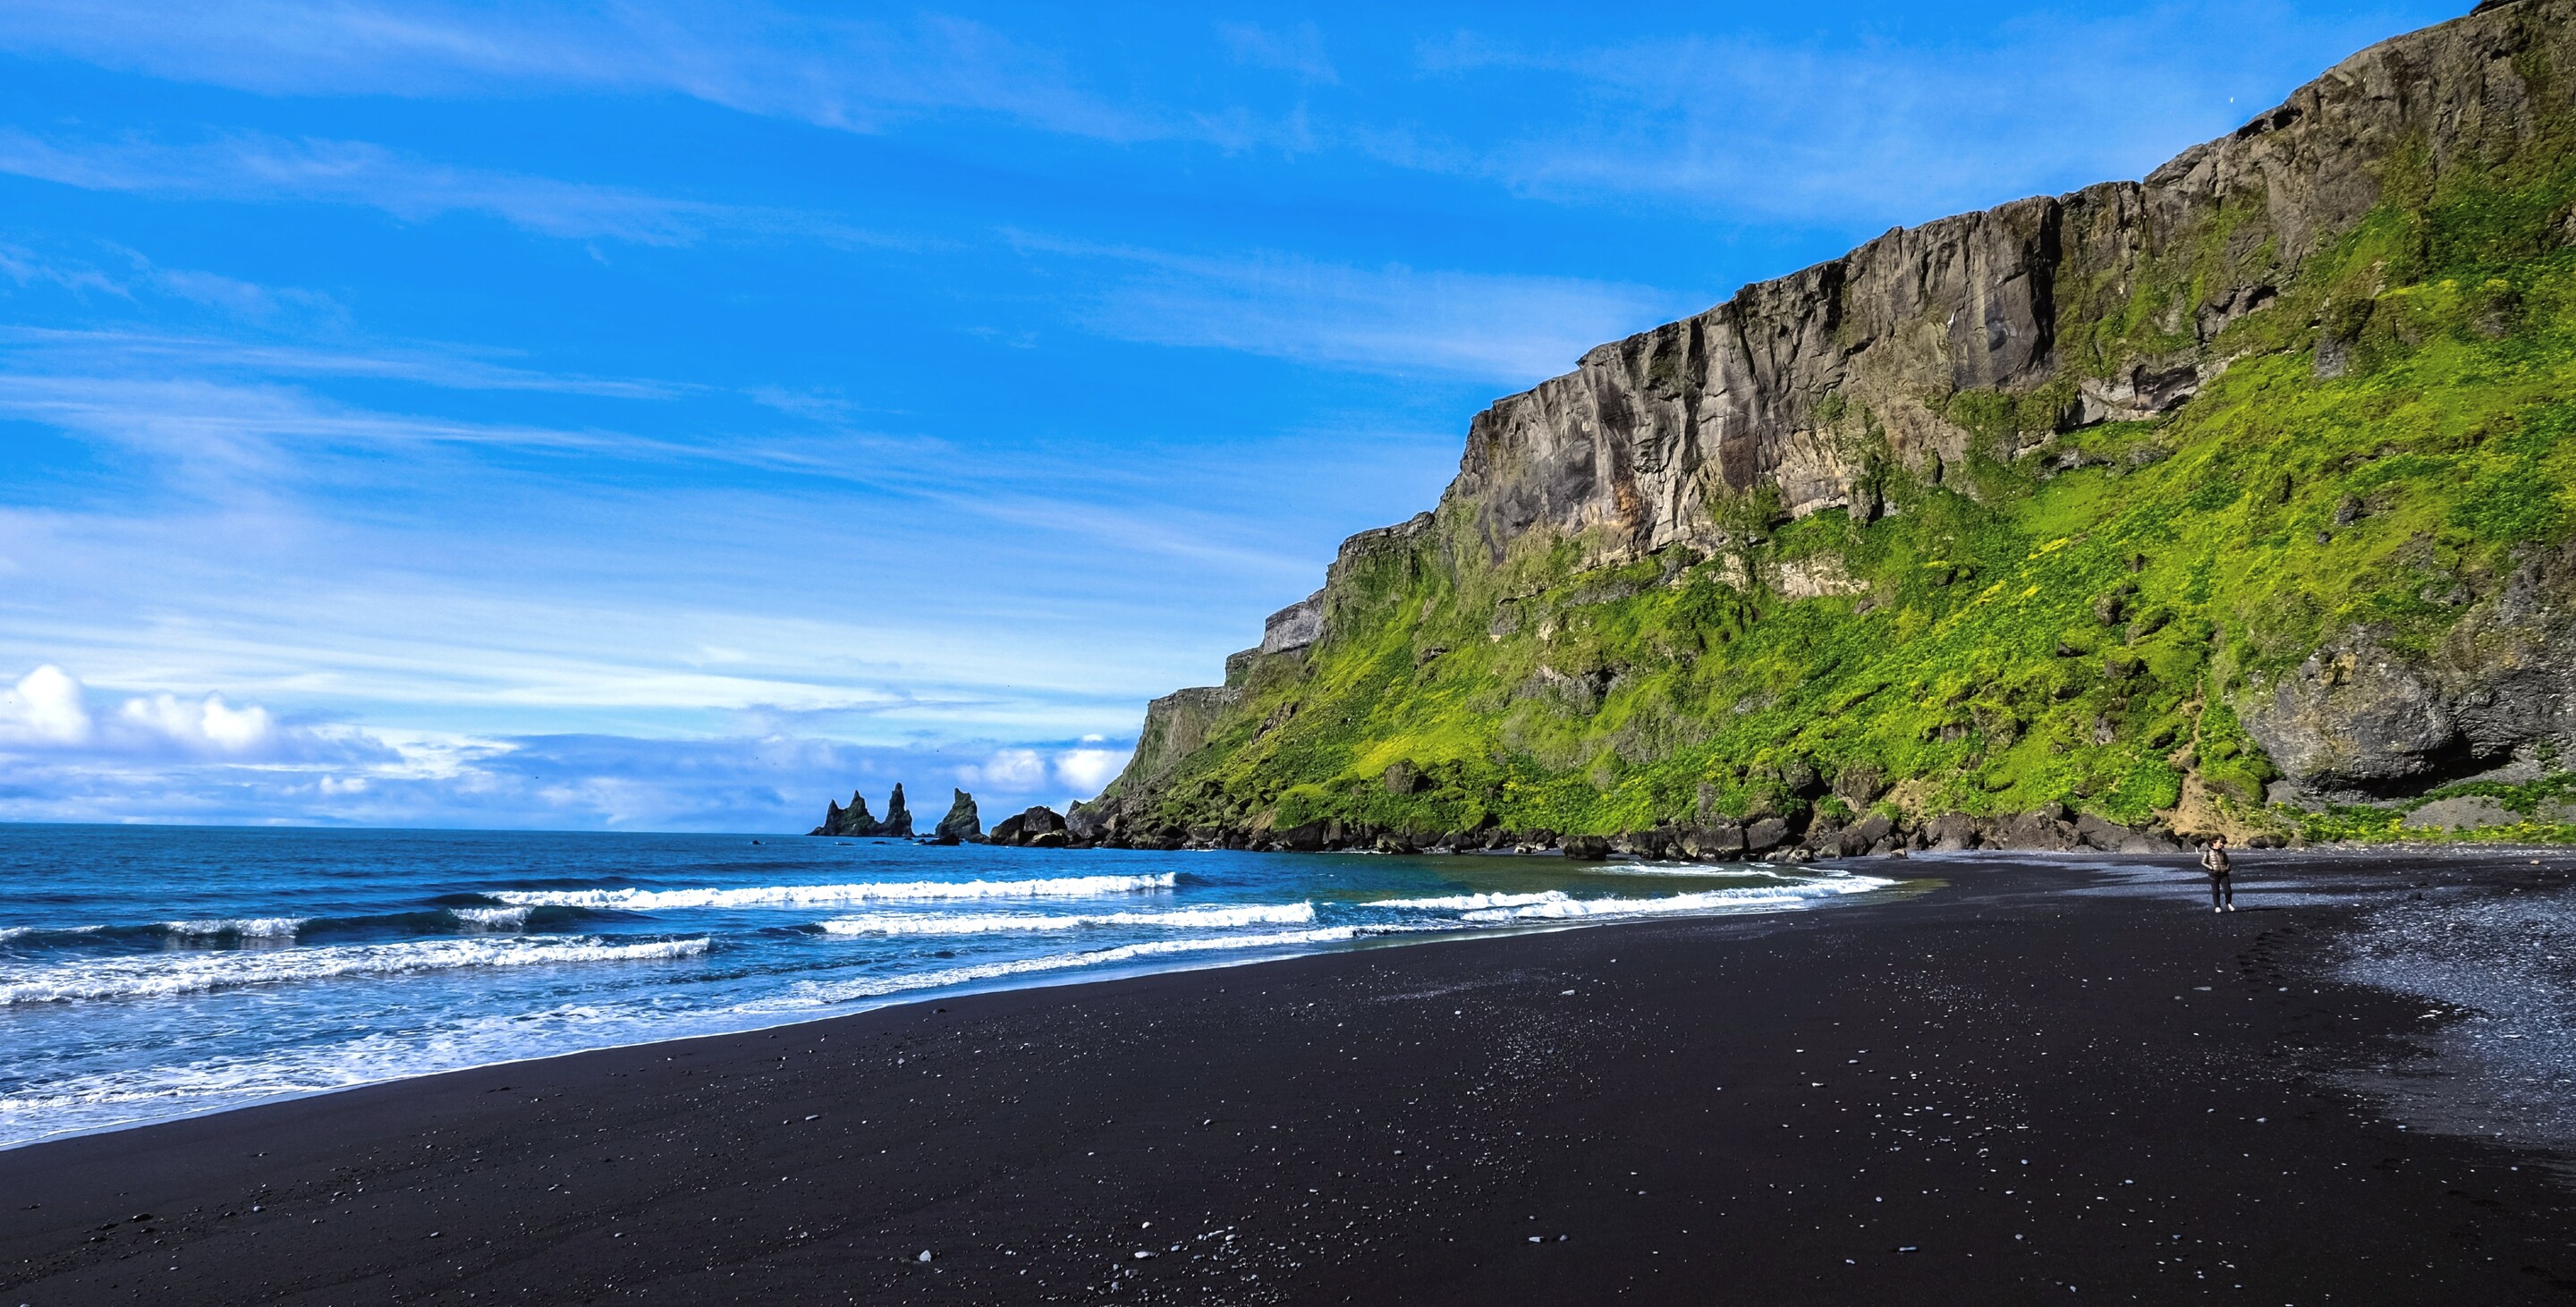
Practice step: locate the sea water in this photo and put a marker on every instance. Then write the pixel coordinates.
(153, 972)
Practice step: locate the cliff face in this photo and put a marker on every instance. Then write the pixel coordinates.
(1648, 436)
(1598, 604)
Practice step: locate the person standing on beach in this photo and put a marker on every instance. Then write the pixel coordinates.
(2222, 885)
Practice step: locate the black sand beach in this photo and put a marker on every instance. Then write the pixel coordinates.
(2031, 1080)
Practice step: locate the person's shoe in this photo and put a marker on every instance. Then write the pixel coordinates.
(2231, 907)
(2217, 909)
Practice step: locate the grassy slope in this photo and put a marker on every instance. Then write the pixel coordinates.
(1984, 670)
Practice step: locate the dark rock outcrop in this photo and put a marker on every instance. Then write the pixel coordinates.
(851, 822)
(2359, 721)
(856, 821)
(1038, 828)
(1090, 823)
(962, 823)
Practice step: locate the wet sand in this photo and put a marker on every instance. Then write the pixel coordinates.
(2030, 1079)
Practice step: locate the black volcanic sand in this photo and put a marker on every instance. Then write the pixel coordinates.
(2029, 1080)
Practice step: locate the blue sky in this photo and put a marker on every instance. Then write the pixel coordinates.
(668, 416)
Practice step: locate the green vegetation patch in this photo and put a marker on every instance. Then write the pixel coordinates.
(2064, 618)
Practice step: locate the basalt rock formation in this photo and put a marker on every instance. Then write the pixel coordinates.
(1037, 828)
(962, 824)
(2233, 498)
(854, 820)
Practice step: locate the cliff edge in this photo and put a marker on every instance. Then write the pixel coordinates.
(2233, 498)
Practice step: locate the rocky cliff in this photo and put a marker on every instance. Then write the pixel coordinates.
(2150, 504)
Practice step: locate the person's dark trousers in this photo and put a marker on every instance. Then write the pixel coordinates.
(2222, 891)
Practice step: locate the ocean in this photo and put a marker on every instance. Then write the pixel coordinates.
(154, 972)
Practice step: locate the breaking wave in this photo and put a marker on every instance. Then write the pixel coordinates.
(810, 994)
(491, 918)
(239, 927)
(766, 896)
(1555, 905)
(906, 923)
(163, 975)
(1468, 902)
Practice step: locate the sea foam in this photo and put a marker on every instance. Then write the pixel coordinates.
(491, 918)
(162, 975)
(810, 994)
(907, 923)
(769, 896)
(241, 927)
(1558, 906)
(1468, 902)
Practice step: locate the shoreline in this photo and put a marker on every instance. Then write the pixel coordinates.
(1032, 1129)
(1076, 974)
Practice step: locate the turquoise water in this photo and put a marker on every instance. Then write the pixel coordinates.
(152, 972)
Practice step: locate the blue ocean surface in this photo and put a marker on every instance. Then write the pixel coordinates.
(153, 972)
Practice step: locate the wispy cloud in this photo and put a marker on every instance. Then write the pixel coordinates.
(1391, 319)
(104, 351)
(1849, 127)
(256, 167)
(836, 72)
(1298, 50)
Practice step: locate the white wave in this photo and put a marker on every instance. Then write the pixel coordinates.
(908, 923)
(1563, 907)
(646, 900)
(95, 1097)
(1697, 871)
(1470, 902)
(491, 918)
(245, 927)
(810, 994)
(162, 975)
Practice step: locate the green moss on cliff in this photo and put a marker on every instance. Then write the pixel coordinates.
(2065, 623)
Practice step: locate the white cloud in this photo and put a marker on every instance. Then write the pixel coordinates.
(1083, 769)
(45, 707)
(48, 711)
(1016, 770)
(1086, 771)
(207, 725)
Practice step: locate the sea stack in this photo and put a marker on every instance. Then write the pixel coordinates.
(854, 820)
(963, 823)
(898, 819)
